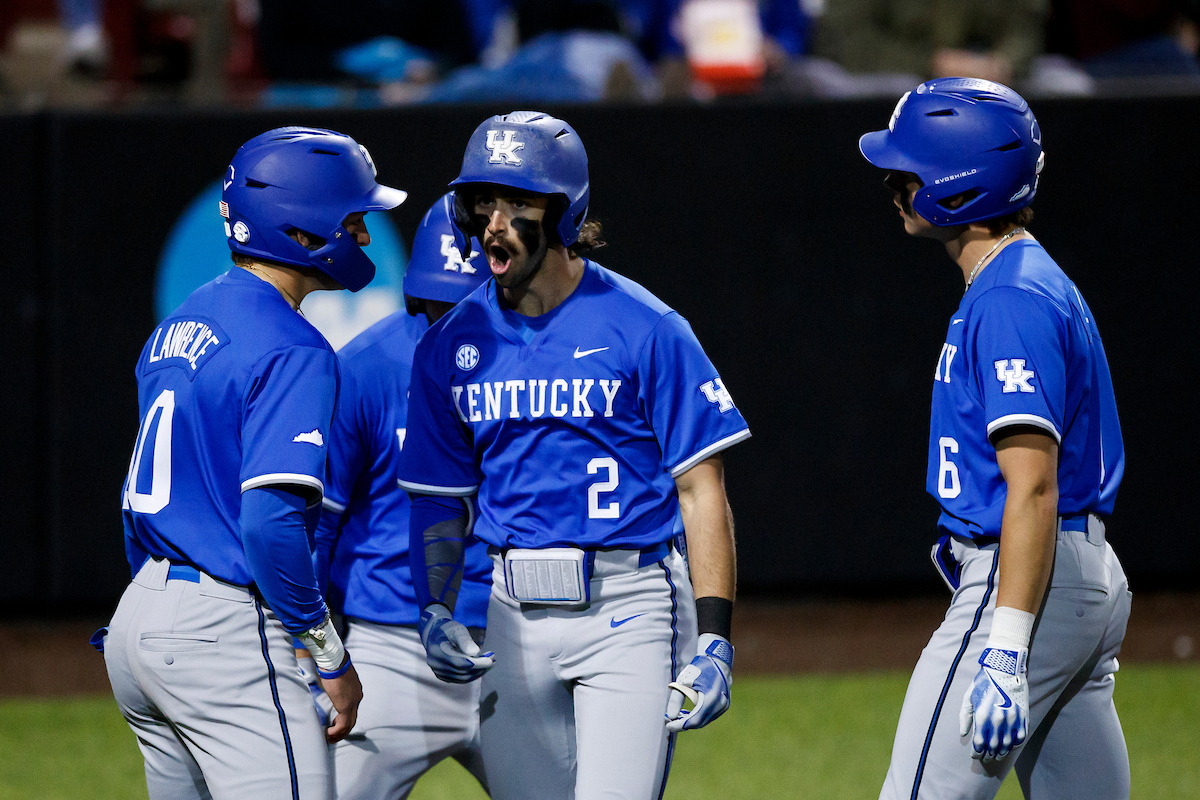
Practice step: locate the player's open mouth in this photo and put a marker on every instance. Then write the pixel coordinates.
(498, 259)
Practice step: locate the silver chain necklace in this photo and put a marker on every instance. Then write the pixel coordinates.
(995, 247)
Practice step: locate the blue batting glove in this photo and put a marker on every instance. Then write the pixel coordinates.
(326, 713)
(997, 703)
(705, 683)
(449, 649)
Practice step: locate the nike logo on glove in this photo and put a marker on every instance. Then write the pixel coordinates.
(1007, 700)
(615, 623)
(581, 353)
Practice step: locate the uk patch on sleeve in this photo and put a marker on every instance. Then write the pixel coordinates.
(1018, 361)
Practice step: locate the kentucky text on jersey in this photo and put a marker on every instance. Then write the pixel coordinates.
(526, 399)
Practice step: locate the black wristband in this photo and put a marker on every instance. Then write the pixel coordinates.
(714, 615)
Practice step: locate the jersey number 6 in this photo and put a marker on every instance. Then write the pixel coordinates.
(159, 495)
(947, 469)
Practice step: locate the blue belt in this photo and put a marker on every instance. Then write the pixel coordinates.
(1076, 522)
(183, 572)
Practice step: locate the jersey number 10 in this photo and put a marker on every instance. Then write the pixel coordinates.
(163, 409)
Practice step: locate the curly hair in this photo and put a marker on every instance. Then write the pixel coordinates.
(591, 237)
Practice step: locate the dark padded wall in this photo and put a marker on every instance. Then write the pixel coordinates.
(761, 224)
(24, 260)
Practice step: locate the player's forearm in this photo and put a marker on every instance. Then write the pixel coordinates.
(1029, 464)
(708, 526)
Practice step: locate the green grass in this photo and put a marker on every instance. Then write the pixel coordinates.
(818, 736)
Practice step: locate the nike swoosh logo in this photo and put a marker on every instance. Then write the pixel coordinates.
(581, 353)
(956, 322)
(1007, 700)
(616, 623)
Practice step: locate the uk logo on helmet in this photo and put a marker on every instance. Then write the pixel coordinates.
(504, 151)
(454, 260)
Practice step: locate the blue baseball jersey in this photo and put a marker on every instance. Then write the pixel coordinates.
(1022, 349)
(362, 541)
(236, 391)
(570, 426)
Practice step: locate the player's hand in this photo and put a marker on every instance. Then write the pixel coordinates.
(997, 702)
(308, 671)
(449, 649)
(705, 683)
(345, 692)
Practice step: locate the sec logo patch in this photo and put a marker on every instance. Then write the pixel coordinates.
(241, 232)
(467, 356)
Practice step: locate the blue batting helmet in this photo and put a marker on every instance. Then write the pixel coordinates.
(436, 270)
(534, 152)
(962, 136)
(305, 179)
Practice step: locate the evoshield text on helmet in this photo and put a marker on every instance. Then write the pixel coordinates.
(962, 137)
(437, 270)
(305, 179)
(533, 152)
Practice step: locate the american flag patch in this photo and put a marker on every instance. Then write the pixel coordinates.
(224, 209)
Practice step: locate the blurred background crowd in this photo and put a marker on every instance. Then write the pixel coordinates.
(370, 53)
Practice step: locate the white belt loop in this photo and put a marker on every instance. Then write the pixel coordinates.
(1095, 530)
(153, 574)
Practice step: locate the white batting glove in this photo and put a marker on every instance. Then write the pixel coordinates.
(997, 702)
(705, 682)
(326, 713)
(449, 649)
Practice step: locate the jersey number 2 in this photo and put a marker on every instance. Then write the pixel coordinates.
(160, 456)
(612, 510)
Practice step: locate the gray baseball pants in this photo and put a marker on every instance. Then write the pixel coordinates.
(1076, 748)
(574, 708)
(408, 720)
(207, 678)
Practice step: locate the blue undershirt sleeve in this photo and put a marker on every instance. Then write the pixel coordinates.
(437, 528)
(278, 556)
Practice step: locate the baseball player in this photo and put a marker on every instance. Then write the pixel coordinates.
(1025, 459)
(236, 392)
(585, 418)
(411, 720)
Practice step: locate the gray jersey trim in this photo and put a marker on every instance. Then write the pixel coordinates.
(441, 491)
(1024, 419)
(712, 449)
(275, 478)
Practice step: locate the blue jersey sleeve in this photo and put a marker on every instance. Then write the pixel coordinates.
(438, 456)
(286, 418)
(1018, 357)
(686, 401)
